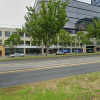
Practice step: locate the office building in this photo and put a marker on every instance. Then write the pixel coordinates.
(80, 14)
(95, 2)
(25, 46)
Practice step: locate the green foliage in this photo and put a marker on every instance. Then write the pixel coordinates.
(94, 30)
(79, 87)
(72, 39)
(35, 41)
(45, 25)
(13, 40)
(83, 38)
(64, 38)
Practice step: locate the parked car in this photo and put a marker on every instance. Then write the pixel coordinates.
(90, 51)
(16, 55)
(60, 53)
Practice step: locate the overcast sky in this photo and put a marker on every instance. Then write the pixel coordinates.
(12, 12)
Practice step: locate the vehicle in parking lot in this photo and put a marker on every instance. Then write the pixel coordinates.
(16, 55)
(60, 53)
(90, 51)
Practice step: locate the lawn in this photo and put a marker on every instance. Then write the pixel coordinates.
(79, 87)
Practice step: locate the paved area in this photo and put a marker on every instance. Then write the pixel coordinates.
(25, 77)
(39, 63)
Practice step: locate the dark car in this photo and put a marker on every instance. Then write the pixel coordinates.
(90, 51)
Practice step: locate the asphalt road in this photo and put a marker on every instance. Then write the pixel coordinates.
(45, 59)
(45, 62)
(42, 74)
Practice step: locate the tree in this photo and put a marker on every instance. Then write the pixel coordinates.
(13, 40)
(79, 36)
(72, 40)
(94, 29)
(83, 38)
(46, 24)
(86, 40)
(64, 38)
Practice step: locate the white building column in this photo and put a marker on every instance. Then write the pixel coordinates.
(24, 45)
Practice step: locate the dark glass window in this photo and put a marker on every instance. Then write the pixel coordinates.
(0, 33)
(21, 34)
(22, 43)
(26, 35)
(0, 42)
(27, 43)
(7, 33)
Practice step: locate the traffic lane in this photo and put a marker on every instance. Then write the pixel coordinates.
(45, 59)
(46, 63)
(19, 78)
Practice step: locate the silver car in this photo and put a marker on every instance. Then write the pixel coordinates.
(60, 53)
(16, 55)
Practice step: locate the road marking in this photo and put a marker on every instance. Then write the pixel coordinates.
(22, 70)
(47, 60)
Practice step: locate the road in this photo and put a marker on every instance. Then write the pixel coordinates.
(45, 69)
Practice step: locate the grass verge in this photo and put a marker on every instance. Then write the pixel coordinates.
(79, 87)
(35, 57)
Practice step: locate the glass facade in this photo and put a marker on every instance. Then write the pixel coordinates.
(95, 2)
(79, 14)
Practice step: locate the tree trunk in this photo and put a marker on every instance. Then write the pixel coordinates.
(47, 48)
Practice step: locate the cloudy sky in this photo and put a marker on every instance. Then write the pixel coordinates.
(12, 12)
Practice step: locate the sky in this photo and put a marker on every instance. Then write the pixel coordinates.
(12, 12)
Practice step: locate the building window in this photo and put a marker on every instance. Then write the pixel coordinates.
(0, 42)
(27, 43)
(0, 33)
(26, 35)
(7, 33)
(22, 43)
(21, 34)
(13, 32)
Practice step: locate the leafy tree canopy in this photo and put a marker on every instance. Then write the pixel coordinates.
(64, 37)
(84, 38)
(13, 40)
(46, 24)
(94, 29)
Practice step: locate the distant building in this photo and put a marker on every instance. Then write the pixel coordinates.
(80, 14)
(77, 12)
(95, 2)
(25, 46)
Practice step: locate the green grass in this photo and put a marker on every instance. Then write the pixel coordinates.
(34, 57)
(79, 87)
